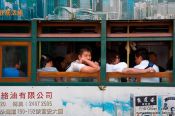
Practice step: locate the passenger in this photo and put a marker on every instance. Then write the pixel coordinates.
(144, 66)
(13, 70)
(46, 65)
(153, 59)
(114, 64)
(69, 58)
(83, 63)
(57, 63)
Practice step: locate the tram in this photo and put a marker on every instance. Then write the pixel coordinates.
(27, 84)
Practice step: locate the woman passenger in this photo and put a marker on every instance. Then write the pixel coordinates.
(46, 65)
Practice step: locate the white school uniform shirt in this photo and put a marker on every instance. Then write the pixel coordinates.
(75, 66)
(48, 69)
(115, 68)
(143, 65)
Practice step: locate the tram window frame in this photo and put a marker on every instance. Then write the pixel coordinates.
(63, 74)
(138, 24)
(102, 39)
(167, 75)
(128, 36)
(95, 24)
(12, 79)
(16, 24)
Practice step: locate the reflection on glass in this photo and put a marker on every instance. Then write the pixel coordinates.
(14, 61)
(154, 9)
(86, 9)
(67, 9)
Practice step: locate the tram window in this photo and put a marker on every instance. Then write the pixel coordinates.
(15, 29)
(149, 29)
(14, 61)
(147, 56)
(162, 51)
(139, 29)
(116, 59)
(117, 29)
(64, 57)
(71, 29)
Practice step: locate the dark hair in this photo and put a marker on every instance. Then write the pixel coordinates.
(142, 52)
(84, 50)
(44, 60)
(152, 53)
(111, 56)
(16, 60)
(67, 60)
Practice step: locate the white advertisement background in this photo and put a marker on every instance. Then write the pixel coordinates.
(84, 100)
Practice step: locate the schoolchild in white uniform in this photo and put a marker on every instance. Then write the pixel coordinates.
(46, 65)
(144, 66)
(83, 63)
(114, 64)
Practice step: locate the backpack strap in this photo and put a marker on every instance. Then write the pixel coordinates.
(150, 64)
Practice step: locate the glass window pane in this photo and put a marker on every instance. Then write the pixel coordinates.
(154, 9)
(14, 61)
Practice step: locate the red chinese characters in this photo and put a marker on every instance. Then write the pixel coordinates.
(25, 95)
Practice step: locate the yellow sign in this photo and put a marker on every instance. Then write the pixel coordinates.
(11, 12)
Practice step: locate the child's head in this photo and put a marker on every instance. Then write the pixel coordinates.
(153, 57)
(67, 60)
(16, 63)
(113, 57)
(46, 61)
(141, 54)
(85, 53)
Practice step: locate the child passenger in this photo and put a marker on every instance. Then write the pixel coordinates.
(144, 66)
(114, 64)
(14, 70)
(46, 65)
(83, 63)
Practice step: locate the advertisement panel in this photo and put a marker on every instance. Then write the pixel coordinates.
(86, 9)
(87, 101)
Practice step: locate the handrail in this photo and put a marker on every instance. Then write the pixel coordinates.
(166, 74)
(68, 75)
